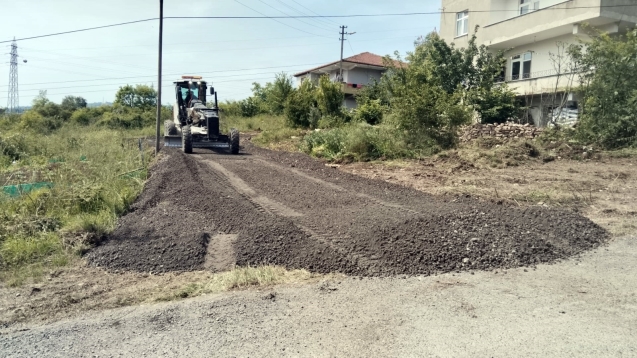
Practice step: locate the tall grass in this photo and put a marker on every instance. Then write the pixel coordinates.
(95, 174)
(362, 142)
(271, 129)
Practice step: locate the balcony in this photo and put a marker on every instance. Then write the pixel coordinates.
(541, 82)
(545, 23)
(349, 88)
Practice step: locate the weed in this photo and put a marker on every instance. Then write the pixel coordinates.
(84, 166)
(240, 278)
(361, 142)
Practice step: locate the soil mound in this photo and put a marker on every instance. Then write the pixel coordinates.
(290, 210)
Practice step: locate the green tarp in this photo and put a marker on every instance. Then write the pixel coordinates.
(17, 190)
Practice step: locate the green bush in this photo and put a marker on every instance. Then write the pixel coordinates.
(81, 117)
(276, 94)
(249, 107)
(327, 122)
(13, 147)
(230, 109)
(609, 115)
(35, 121)
(494, 105)
(429, 114)
(370, 112)
(120, 117)
(329, 97)
(298, 110)
(358, 142)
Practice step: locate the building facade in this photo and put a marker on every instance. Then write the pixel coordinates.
(534, 35)
(358, 72)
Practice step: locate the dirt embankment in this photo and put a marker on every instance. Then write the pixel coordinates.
(288, 209)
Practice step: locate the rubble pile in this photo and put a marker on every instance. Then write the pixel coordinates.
(505, 131)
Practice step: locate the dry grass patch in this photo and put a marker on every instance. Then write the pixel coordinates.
(241, 278)
(603, 189)
(76, 288)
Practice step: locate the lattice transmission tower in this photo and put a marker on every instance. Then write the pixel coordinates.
(13, 103)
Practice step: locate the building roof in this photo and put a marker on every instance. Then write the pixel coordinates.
(365, 58)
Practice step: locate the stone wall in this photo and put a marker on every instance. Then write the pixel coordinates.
(504, 131)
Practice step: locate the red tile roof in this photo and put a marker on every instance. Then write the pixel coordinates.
(365, 58)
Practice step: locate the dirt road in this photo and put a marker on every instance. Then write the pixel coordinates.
(212, 211)
(460, 276)
(576, 308)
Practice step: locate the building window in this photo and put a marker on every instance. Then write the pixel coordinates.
(521, 66)
(462, 23)
(527, 6)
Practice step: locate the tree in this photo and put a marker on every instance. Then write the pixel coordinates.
(424, 110)
(329, 97)
(472, 71)
(145, 97)
(271, 97)
(125, 96)
(301, 105)
(72, 103)
(46, 108)
(277, 93)
(140, 96)
(607, 68)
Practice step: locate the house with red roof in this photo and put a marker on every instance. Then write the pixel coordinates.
(358, 72)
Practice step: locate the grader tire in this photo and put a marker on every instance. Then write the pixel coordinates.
(234, 141)
(169, 128)
(186, 138)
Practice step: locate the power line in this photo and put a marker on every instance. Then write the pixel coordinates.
(101, 58)
(284, 13)
(304, 17)
(315, 13)
(141, 76)
(302, 13)
(177, 74)
(350, 47)
(214, 42)
(385, 15)
(119, 83)
(108, 90)
(275, 19)
(81, 30)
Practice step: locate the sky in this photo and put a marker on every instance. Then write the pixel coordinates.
(231, 53)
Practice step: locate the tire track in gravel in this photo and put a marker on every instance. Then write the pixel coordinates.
(336, 187)
(208, 211)
(276, 208)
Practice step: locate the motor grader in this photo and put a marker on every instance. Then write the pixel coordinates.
(194, 125)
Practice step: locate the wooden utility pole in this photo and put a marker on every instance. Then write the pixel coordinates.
(161, 32)
(342, 42)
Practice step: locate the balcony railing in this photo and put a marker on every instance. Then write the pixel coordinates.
(530, 76)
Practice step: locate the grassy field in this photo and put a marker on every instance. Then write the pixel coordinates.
(85, 178)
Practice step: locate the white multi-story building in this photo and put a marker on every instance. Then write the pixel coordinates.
(534, 34)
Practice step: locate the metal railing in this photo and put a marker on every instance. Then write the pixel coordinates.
(530, 76)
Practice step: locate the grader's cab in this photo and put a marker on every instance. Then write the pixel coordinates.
(195, 124)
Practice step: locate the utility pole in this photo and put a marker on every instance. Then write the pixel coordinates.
(343, 33)
(13, 103)
(161, 30)
(340, 75)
